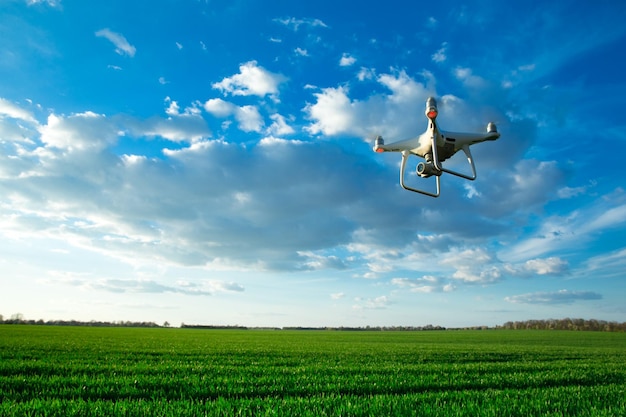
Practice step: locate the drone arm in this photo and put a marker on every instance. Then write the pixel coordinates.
(405, 157)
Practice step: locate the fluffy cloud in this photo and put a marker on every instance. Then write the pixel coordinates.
(549, 266)
(335, 114)
(78, 131)
(122, 46)
(179, 126)
(8, 109)
(474, 265)
(280, 208)
(252, 80)
(440, 55)
(346, 60)
(279, 126)
(248, 117)
(219, 107)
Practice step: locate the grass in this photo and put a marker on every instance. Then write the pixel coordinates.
(54, 371)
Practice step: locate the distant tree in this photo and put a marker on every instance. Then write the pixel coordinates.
(166, 324)
(567, 324)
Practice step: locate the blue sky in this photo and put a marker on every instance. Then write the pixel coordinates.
(210, 162)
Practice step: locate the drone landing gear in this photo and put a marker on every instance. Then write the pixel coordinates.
(470, 160)
(433, 166)
(405, 157)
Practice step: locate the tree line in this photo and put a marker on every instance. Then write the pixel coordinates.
(566, 324)
(549, 324)
(19, 319)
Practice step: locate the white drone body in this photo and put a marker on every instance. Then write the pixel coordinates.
(435, 146)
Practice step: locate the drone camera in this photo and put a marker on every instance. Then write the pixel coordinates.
(427, 169)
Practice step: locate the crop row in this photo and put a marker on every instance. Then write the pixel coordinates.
(561, 401)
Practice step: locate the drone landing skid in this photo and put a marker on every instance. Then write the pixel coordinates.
(470, 160)
(439, 168)
(405, 157)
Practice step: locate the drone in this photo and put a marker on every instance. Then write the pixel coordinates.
(435, 146)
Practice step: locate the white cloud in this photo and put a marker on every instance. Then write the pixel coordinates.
(611, 264)
(404, 89)
(610, 218)
(426, 284)
(8, 109)
(252, 80)
(548, 266)
(295, 24)
(122, 46)
(570, 192)
(199, 288)
(188, 126)
(219, 107)
(440, 55)
(474, 265)
(315, 261)
(528, 184)
(468, 78)
(333, 112)
(173, 109)
(557, 297)
(249, 118)
(471, 190)
(568, 231)
(80, 131)
(279, 126)
(51, 3)
(301, 52)
(346, 60)
(209, 203)
(377, 303)
(366, 74)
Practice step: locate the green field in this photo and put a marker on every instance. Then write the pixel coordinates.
(84, 371)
